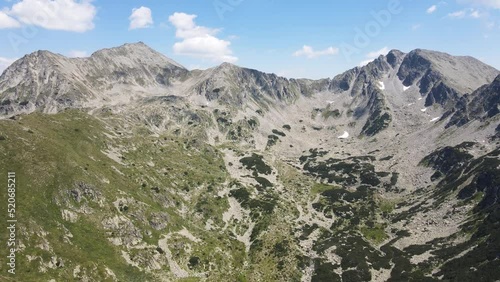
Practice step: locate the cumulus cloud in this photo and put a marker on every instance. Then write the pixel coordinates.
(77, 54)
(141, 18)
(68, 15)
(373, 55)
(5, 63)
(7, 22)
(199, 41)
(431, 9)
(310, 53)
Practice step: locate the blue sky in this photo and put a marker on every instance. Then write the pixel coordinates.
(290, 38)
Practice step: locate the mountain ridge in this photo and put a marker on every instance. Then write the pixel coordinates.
(104, 78)
(141, 45)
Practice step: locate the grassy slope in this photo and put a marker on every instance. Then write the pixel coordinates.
(50, 153)
(179, 176)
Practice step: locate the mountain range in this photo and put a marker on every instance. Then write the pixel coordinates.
(134, 168)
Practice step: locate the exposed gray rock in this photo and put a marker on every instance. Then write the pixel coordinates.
(482, 104)
(444, 78)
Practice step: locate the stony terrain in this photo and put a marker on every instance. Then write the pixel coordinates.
(132, 168)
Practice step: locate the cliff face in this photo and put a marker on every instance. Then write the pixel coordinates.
(483, 104)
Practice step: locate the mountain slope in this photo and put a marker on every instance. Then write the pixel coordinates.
(235, 85)
(443, 78)
(49, 82)
(398, 80)
(234, 174)
(371, 96)
(482, 104)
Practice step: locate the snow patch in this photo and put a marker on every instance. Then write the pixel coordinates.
(435, 119)
(406, 87)
(423, 110)
(420, 98)
(381, 85)
(344, 136)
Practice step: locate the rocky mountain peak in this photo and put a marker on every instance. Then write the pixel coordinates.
(225, 68)
(33, 60)
(443, 78)
(460, 71)
(395, 57)
(482, 104)
(135, 53)
(47, 82)
(226, 65)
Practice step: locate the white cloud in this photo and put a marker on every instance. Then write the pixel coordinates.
(377, 53)
(475, 14)
(7, 22)
(187, 28)
(199, 41)
(208, 47)
(466, 13)
(431, 9)
(416, 26)
(373, 55)
(141, 18)
(365, 62)
(309, 52)
(457, 14)
(5, 63)
(68, 15)
(495, 4)
(77, 54)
